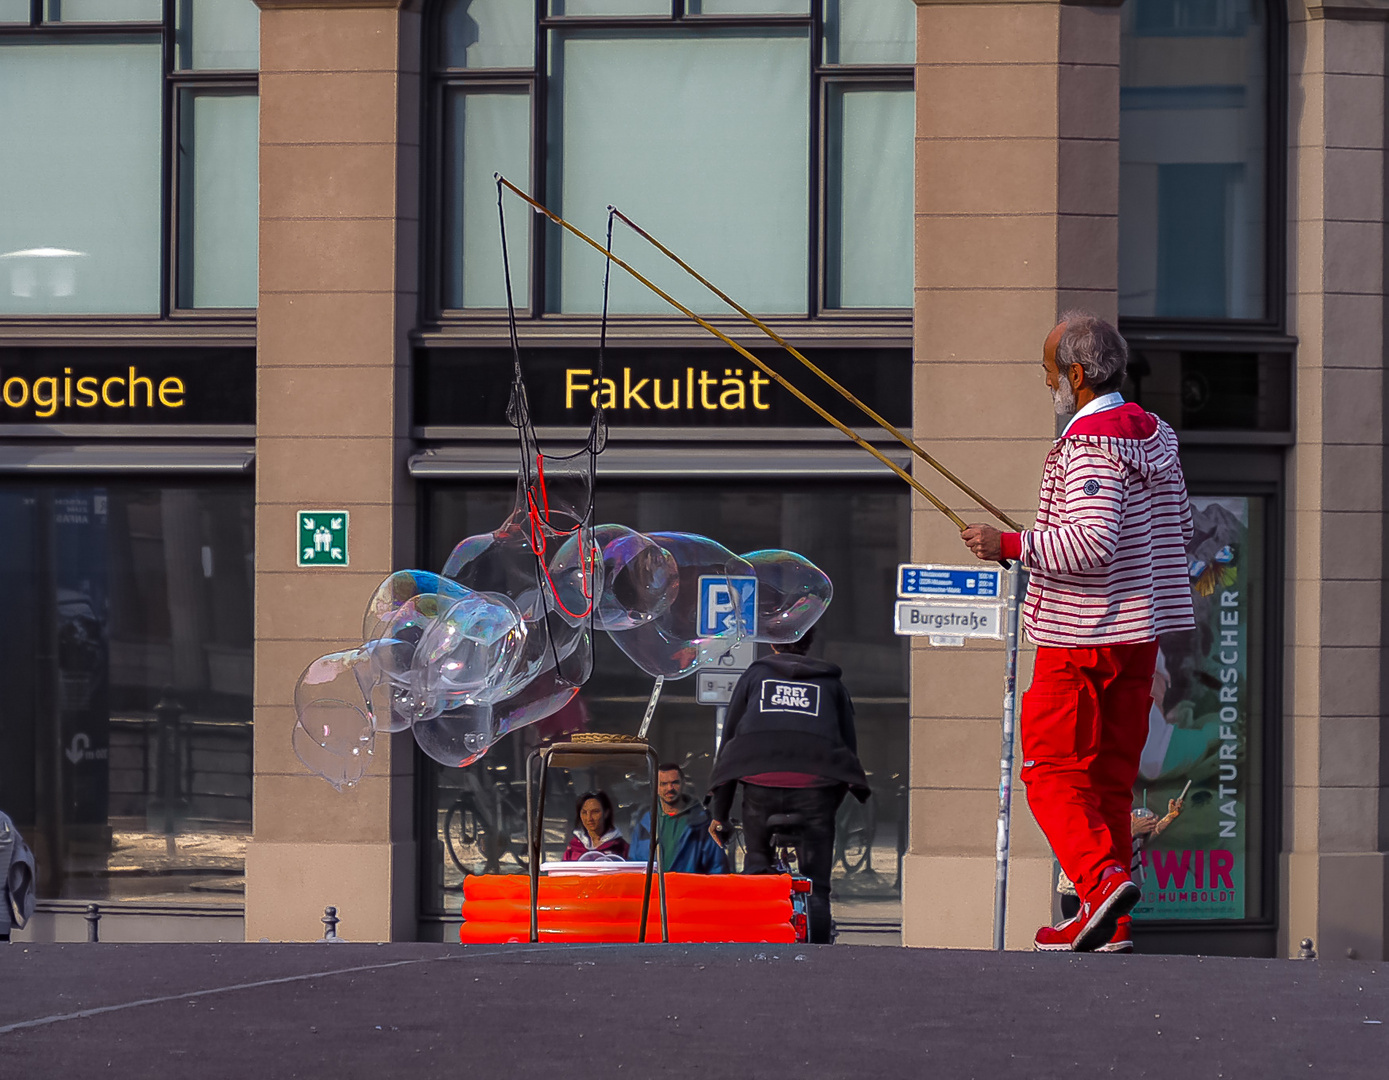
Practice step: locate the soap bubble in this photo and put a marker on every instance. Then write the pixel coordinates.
(674, 644)
(502, 561)
(639, 578)
(792, 593)
(393, 705)
(505, 562)
(334, 740)
(470, 651)
(542, 696)
(456, 738)
(339, 676)
(333, 733)
(575, 576)
(399, 588)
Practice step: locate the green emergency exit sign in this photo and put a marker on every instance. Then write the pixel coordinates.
(322, 538)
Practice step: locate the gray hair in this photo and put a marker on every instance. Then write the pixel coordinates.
(1097, 347)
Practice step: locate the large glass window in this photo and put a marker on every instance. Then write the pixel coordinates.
(768, 142)
(80, 123)
(1194, 176)
(704, 138)
(857, 534)
(126, 718)
(95, 185)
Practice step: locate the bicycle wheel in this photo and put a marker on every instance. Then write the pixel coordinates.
(466, 837)
(854, 835)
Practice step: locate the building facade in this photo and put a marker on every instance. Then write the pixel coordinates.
(256, 275)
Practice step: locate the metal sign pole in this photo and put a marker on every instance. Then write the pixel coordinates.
(1017, 584)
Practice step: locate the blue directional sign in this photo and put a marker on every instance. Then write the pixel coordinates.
(717, 604)
(932, 580)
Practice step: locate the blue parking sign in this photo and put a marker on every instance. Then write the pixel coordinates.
(717, 605)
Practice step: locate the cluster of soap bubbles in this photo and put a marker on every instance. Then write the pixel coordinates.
(503, 637)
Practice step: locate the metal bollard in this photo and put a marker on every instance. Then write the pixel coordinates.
(330, 923)
(1307, 952)
(93, 917)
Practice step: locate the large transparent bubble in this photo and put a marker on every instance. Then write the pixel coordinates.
(640, 579)
(334, 740)
(709, 612)
(458, 737)
(792, 593)
(574, 576)
(469, 652)
(544, 696)
(505, 562)
(398, 589)
(333, 734)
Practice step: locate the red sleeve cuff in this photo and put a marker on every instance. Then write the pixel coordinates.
(1012, 545)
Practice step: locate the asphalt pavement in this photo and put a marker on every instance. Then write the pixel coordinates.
(346, 1010)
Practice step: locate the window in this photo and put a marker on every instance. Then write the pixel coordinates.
(1195, 189)
(476, 818)
(126, 658)
(769, 142)
(126, 123)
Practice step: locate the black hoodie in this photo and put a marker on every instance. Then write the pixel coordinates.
(788, 713)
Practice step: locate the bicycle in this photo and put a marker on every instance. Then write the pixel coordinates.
(481, 828)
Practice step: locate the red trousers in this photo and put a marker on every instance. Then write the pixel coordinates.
(1083, 726)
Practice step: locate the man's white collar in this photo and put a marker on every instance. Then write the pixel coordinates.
(1103, 403)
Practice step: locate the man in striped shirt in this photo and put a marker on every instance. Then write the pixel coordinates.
(1109, 575)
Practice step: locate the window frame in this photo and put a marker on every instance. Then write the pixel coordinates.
(439, 81)
(173, 81)
(1148, 329)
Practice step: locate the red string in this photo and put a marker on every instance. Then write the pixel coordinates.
(588, 559)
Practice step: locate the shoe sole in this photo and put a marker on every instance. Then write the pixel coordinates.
(1108, 947)
(1105, 921)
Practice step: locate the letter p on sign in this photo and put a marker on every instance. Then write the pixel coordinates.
(726, 601)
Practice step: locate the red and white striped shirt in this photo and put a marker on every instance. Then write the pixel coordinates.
(1108, 553)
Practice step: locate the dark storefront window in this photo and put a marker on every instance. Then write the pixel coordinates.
(768, 142)
(125, 727)
(92, 93)
(475, 817)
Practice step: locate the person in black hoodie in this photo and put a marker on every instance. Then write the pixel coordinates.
(789, 737)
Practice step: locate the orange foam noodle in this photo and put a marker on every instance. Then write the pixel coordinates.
(629, 910)
(719, 888)
(500, 933)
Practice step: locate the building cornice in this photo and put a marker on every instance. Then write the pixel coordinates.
(1344, 11)
(332, 5)
(1014, 3)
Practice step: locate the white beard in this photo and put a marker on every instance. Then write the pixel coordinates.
(1063, 400)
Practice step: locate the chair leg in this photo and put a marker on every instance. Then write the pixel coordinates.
(536, 842)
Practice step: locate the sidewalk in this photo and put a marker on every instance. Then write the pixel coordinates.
(376, 1011)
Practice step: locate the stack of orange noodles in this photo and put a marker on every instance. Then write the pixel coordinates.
(607, 907)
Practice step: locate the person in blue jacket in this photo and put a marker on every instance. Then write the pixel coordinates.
(686, 844)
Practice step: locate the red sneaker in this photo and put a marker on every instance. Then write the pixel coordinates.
(1056, 938)
(1122, 941)
(1113, 898)
(1059, 938)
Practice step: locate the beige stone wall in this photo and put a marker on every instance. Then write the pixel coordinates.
(339, 132)
(1017, 178)
(1333, 870)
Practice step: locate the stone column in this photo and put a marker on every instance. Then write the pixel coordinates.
(1017, 194)
(1334, 828)
(339, 134)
